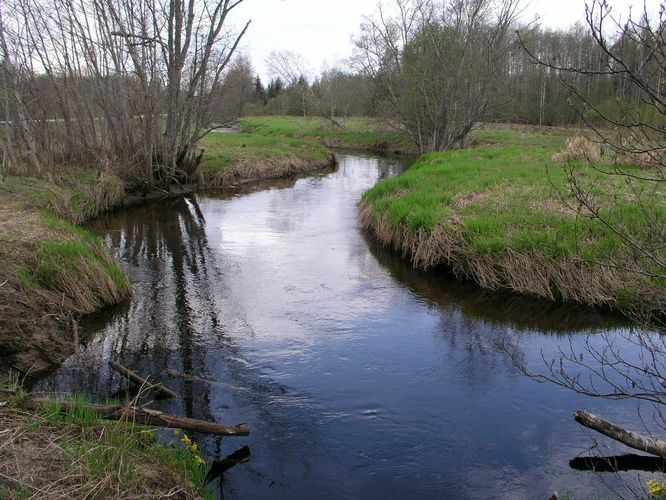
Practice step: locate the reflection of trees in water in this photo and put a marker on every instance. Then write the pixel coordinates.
(175, 288)
(393, 166)
(174, 321)
(165, 251)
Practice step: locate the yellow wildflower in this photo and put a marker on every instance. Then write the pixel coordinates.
(186, 439)
(194, 448)
(655, 487)
(199, 460)
(176, 432)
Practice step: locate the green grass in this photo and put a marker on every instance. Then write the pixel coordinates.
(506, 196)
(53, 270)
(224, 150)
(356, 133)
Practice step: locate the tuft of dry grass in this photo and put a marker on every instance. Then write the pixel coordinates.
(644, 157)
(579, 148)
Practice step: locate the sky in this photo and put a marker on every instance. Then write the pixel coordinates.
(320, 30)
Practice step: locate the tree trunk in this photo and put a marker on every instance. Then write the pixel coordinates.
(144, 416)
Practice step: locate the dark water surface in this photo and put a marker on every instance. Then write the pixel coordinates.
(360, 377)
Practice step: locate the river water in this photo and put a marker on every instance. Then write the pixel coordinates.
(360, 377)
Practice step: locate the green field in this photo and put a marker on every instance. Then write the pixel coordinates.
(354, 133)
(500, 214)
(224, 150)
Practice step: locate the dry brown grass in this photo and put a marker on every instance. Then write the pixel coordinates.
(47, 456)
(567, 279)
(653, 159)
(579, 148)
(248, 170)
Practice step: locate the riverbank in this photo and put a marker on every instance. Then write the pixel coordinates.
(496, 215)
(55, 453)
(53, 271)
(233, 159)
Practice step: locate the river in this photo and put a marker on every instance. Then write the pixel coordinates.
(360, 377)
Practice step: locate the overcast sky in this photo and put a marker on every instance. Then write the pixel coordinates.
(320, 30)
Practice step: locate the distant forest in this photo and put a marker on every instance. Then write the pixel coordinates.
(523, 90)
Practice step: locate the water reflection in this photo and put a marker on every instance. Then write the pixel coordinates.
(359, 376)
(446, 292)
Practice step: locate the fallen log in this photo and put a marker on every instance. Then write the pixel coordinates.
(628, 438)
(619, 463)
(158, 388)
(144, 416)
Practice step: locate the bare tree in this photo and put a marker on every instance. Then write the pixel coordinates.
(131, 80)
(434, 64)
(235, 91)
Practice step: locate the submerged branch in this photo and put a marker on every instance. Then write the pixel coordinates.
(158, 388)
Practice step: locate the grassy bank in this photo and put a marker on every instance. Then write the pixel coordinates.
(52, 270)
(354, 133)
(231, 159)
(48, 453)
(494, 214)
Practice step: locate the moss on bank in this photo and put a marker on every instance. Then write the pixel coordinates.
(494, 214)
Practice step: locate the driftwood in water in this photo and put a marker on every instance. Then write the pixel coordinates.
(158, 388)
(142, 415)
(219, 467)
(194, 378)
(619, 464)
(613, 431)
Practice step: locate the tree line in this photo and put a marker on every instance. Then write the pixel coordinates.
(120, 84)
(436, 60)
(138, 83)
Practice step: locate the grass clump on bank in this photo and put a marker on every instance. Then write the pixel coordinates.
(495, 214)
(76, 454)
(52, 270)
(355, 133)
(236, 158)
